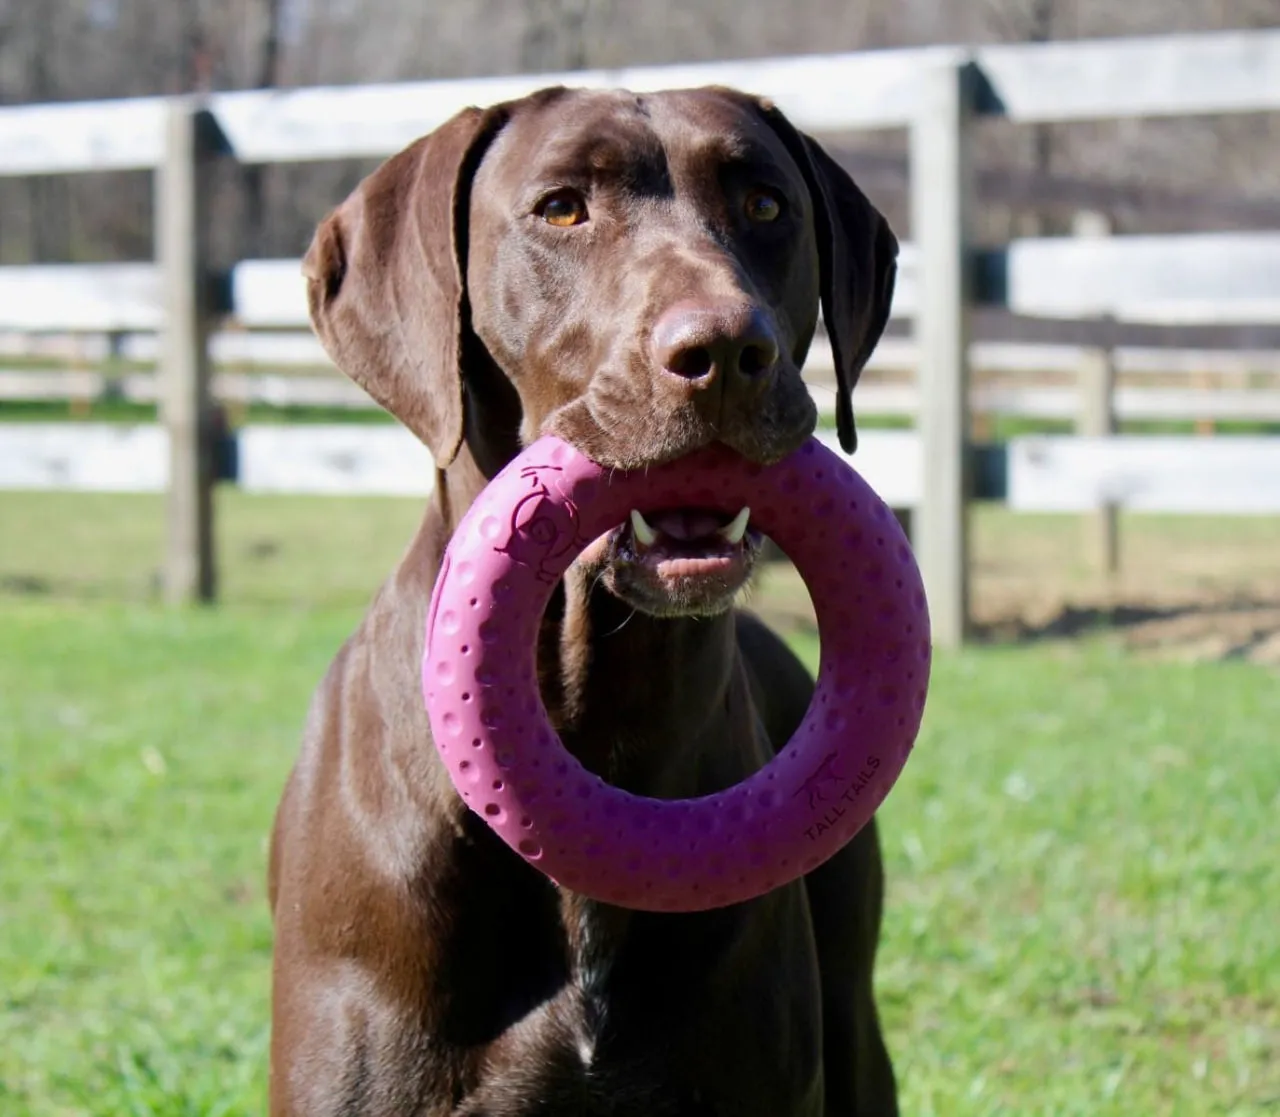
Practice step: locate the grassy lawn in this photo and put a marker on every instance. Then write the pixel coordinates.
(1084, 909)
(140, 753)
(332, 550)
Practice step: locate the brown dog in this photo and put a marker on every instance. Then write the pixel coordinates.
(639, 275)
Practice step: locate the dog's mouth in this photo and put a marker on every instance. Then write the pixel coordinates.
(683, 560)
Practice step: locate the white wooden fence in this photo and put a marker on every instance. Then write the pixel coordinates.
(1036, 381)
(936, 94)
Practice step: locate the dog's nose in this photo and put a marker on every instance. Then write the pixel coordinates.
(700, 343)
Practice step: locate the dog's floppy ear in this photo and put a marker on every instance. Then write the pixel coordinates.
(857, 259)
(385, 282)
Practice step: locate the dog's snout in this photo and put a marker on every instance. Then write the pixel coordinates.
(703, 342)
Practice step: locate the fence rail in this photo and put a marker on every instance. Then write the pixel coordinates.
(1183, 279)
(1030, 473)
(1170, 75)
(1211, 282)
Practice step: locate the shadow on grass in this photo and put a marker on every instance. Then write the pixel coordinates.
(25, 585)
(1078, 621)
(146, 589)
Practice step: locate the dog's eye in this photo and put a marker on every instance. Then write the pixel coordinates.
(563, 208)
(762, 205)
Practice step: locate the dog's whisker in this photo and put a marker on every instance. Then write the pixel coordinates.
(626, 621)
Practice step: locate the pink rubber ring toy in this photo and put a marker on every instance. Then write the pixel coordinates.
(492, 731)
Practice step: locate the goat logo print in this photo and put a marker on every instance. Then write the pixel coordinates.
(816, 786)
(542, 529)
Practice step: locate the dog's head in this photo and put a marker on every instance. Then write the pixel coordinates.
(639, 275)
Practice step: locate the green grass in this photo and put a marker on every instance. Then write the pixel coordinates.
(1084, 886)
(1084, 889)
(1084, 898)
(128, 411)
(140, 755)
(331, 551)
(298, 552)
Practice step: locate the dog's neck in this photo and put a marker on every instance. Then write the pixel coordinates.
(641, 695)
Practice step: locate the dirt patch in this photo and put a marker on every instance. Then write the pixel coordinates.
(1201, 588)
(1194, 629)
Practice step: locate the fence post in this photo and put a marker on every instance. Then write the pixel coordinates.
(1097, 419)
(182, 202)
(941, 201)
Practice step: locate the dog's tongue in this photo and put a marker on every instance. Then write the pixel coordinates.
(686, 523)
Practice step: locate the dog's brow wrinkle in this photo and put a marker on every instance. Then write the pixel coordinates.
(726, 149)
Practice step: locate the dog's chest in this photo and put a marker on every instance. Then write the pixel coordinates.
(671, 1018)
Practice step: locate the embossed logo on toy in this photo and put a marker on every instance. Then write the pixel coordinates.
(543, 529)
(816, 786)
(831, 791)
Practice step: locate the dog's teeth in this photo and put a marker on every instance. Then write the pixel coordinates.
(645, 535)
(737, 527)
